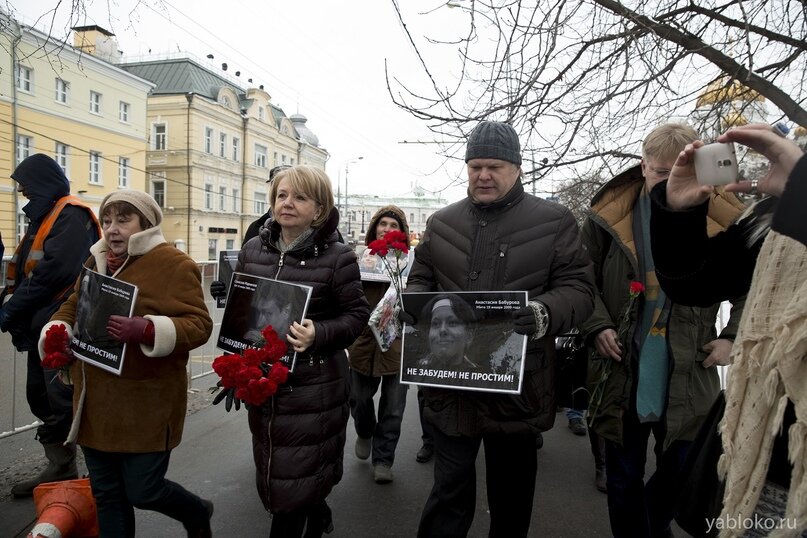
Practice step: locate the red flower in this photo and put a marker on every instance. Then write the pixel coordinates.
(379, 247)
(256, 373)
(397, 240)
(636, 288)
(57, 347)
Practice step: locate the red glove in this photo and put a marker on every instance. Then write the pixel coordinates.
(136, 330)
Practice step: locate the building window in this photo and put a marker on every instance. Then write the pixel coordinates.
(236, 148)
(230, 244)
(274, 162)
(282, 159)
(261, 113)
(123, 112)
(22, 225)
(291, 161)
(411, 218)
(24, 145)
(159, 136)
(60, 156)
(212, 248)
(208, 196)
(95, 168)
(123, 172)
(158, 188)
(223, 145)
(25, 78)
(260, 155)
(260, 203)
(95, 102)
(222, 198)
(208, 140)
(61, 90)
(235, 200)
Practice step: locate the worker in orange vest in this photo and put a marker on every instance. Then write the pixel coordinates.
(39, 278)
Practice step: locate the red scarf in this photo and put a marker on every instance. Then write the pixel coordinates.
(113, 263)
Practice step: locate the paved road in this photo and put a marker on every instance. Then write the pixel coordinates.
(214, 461)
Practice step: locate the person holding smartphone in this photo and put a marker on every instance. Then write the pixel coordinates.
(764, 252)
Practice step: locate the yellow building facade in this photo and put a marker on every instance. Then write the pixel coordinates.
(211, 146)
(83, 111)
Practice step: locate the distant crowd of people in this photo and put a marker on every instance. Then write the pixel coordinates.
(640, 284)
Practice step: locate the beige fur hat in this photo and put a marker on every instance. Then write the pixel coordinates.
(142, 201)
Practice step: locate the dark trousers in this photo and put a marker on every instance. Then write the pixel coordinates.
(122, 481)
(314, 521)
(636, 509)
(50, 400)
(385, 430)
(425, 427)
(511, 464)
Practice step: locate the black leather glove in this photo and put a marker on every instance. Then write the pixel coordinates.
(218, 289)
(524, 321)
(228, 395)
(406, 317)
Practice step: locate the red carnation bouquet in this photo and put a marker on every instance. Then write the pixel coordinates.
(634, 291)
(57, 351)
(254, 375)
(392, 250)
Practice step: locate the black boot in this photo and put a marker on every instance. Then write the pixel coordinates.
(61, 466)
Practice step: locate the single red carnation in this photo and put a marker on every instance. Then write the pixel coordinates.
(56, 339)
(379, 247)
(636, 287)
(279, 373)
(56, 360)
(227, 366)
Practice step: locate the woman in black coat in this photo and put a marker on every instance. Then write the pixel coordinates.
(298, 435)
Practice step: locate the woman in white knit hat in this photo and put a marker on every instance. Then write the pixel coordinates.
(127, 425)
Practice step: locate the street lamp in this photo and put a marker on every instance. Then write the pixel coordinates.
(347, 200)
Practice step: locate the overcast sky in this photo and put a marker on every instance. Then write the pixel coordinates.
(320, 58)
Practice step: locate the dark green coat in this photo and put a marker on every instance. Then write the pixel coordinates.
(608, 236)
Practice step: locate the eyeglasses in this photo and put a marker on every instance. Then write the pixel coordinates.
(276, 170)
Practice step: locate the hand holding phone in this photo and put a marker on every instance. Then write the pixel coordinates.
(716, 164)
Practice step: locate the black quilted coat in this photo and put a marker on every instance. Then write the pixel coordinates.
(298, 436)
(519, 243)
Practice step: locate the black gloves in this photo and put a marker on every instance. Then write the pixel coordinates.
(406, 317)
(524, 321)
(531, 320)
(228, 395)
(218, 289)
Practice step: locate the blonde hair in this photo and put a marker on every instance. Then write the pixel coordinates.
(310, 181)
(667, 140)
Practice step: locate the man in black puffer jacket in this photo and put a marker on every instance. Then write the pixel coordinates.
(499, 239)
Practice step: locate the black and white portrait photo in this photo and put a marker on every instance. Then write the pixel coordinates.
(464, 340)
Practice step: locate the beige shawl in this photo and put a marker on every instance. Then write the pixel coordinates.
(770, 366)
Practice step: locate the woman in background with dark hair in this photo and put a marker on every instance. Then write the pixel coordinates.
(377, 433)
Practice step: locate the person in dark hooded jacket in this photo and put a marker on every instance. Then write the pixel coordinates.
(298, 435)
(370, 367)
(40, 277)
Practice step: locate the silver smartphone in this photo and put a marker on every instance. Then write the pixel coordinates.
(716, 164)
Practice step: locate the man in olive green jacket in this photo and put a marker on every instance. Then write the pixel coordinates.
(653, 362)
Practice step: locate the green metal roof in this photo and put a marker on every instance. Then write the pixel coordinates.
(181, 76)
